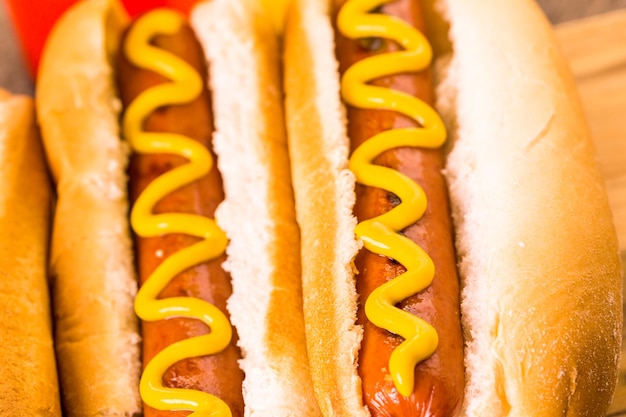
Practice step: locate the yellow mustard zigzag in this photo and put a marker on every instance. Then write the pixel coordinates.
(380, 234)
(185, 86)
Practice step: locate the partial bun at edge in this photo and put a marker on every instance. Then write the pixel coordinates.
(28, 374)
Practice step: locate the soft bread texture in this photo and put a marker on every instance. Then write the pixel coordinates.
(541, 299)
(91, 261)
(29, 377)
(538, 252)
(258, 211)
(324, 191)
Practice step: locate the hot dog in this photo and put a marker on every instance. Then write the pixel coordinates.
(540, 320)
(196, 316)
(532, 311)
(439, 380)
(216, 374)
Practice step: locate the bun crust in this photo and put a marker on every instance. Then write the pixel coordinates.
(91, 260)
(541, 275)
(29, 378)
(324, 191)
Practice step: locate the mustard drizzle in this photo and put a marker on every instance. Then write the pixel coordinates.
(185, 86)
(380, 234)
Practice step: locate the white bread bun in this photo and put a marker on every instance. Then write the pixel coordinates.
(28, 374)
(91, 263)
(538, 252)
(542, 297)
(258, 213)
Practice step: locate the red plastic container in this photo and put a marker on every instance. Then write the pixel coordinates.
(34, 19)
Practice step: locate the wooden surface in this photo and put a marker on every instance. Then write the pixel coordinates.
(596, 50)
(559, 11)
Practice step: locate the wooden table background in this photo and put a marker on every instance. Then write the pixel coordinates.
(593, 37)
(559, 11)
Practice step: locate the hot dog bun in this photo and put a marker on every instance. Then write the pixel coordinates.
(29, 377)
(96, 340)
(77, 104)
(538, 253)
(263, 255)
(541, 297)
